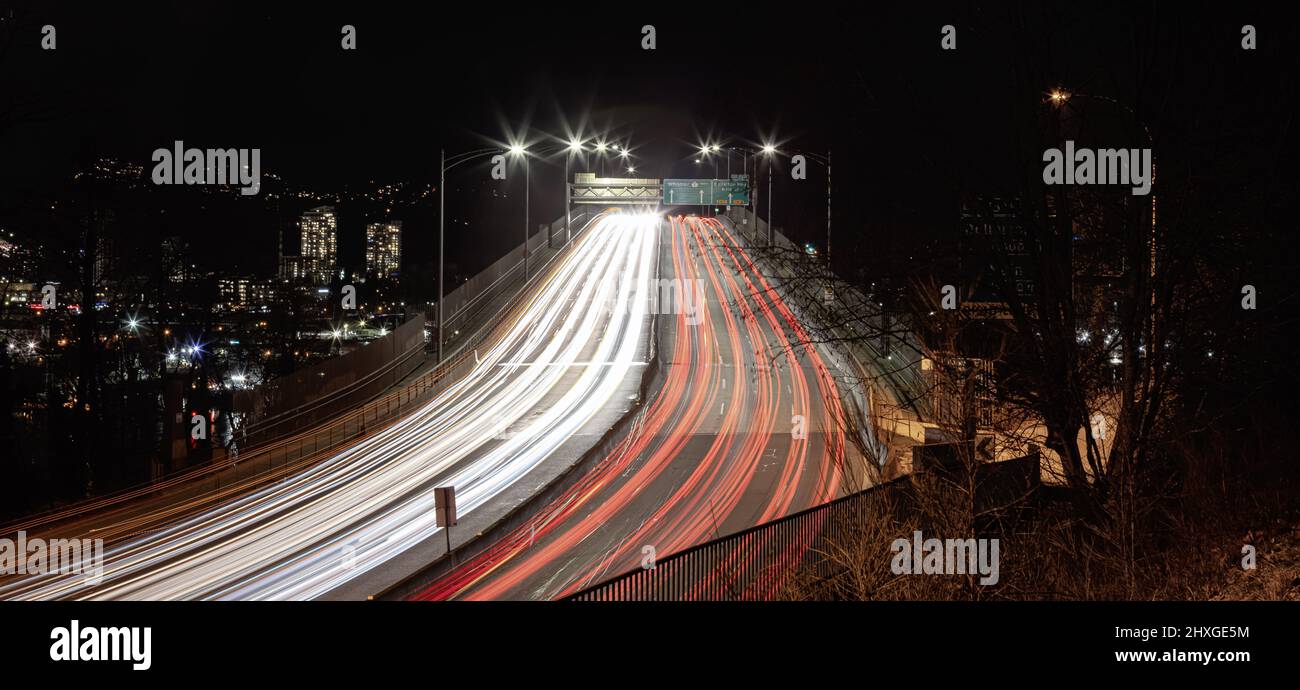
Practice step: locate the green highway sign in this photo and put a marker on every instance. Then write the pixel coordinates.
(731, 192)
(734, 192)
(686, 192)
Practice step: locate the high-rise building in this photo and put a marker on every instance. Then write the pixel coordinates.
(384, 249)
(104, 259)
(319, 242)
(175, 260)
(291, 269)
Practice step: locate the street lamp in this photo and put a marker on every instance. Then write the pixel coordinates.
(705, 151)
(825, 161)
(768, 150)
(746, 152)
(518, 150)
(574, 148)
(1058, 98)
(444, 165)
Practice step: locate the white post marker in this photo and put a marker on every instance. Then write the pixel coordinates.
(444, 501)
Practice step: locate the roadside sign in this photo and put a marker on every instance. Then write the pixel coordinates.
(684, 192)
(731, 192)
(444, 501)
(687, 192)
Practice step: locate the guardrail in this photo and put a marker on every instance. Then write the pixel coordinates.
(754, 564)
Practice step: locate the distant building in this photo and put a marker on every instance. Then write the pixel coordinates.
(292, 269)
(173, 260)
(319, 243)
(245, 293)
(103, 259)
(384, 249)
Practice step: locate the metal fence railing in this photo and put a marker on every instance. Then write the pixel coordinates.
(755, 564)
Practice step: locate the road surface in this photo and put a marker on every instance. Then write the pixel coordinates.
(563, 369)
(746, 428)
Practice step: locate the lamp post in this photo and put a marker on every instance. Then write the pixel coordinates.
(1059, 98)
(574, 147)
(825, 161)
(444, 165)
(768, 151)
(519, 150)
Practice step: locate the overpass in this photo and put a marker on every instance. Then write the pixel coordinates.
(714, 403)
(587, 189)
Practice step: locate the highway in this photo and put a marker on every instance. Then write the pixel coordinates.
(745, 427)
(565, 360)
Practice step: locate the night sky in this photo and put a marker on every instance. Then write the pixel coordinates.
(911, 126)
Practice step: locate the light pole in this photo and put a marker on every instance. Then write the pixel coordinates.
(574, 147)
(770, 236)
(707, 151)
(624, 154)
(1059, 98)
(825, 161)
(518, 150)
(444, 165)
(769, 151)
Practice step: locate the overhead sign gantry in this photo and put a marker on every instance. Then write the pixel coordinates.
(732, 192)
(589, 189)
